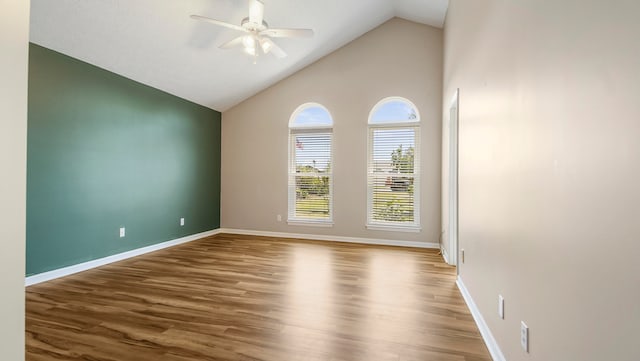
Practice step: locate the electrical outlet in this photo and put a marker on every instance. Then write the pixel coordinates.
(462, 255)
(121, 232)
(279, 218)
(501, 306)
(181, 221)
(524, 336)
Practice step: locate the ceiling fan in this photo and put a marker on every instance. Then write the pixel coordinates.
(257, 32)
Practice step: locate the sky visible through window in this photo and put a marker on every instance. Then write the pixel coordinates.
(312, 117)
(394, 111)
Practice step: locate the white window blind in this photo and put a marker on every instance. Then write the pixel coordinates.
(393, 175)
(310, 169)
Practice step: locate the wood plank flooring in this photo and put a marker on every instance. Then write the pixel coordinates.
(247, 298)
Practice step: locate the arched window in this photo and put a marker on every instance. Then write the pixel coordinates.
(393, 172)
(310, 174)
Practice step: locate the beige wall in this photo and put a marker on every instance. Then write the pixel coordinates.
(400, 58)
(550, 171)
(14, 41)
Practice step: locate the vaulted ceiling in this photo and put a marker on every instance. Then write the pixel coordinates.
(155, 42)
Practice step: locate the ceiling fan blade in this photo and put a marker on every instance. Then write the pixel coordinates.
(256, 11)
(288, 33)
(268, 46)
(232, 43)
(220, 23)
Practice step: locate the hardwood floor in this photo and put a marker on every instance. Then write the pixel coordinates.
(231, 297)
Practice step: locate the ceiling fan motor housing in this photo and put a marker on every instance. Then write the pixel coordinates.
(253, 27)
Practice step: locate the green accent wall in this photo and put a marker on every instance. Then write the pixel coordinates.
(106, 152)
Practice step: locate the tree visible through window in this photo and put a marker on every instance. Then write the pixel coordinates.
(393, 174)
(310, 176)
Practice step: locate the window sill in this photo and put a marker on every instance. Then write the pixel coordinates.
(394, 228)
(310, 223)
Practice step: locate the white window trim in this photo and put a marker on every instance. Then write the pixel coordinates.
(306, 222)
(415, 124)
(394, 125)
(379, 226)
(291, 171)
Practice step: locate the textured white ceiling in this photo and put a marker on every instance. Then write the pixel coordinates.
(155, 42)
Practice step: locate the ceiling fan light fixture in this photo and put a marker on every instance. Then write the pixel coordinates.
(249, 42)
(266, 45)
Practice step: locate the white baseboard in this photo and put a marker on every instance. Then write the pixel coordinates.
(66, 271)
(318, 237)
(445, 255)
(487, 336)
